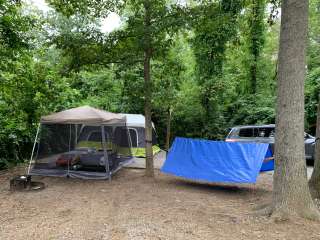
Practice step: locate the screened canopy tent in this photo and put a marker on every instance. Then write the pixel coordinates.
(136, 126)
(81, 142)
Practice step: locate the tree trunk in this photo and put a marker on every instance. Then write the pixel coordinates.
(291, 196)
(314, 182)
(167, 146)
(257, 39)
(254, 46)
(148, 92)
(253, 73)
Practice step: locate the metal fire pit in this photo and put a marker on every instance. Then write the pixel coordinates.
(24, 183)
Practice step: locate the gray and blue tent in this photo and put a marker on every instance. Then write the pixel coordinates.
(136, 127)
(81, 142)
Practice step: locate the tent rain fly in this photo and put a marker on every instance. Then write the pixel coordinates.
(81, 142)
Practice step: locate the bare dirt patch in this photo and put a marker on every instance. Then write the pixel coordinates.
(133, 207)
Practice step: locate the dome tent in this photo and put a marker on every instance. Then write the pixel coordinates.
(81, 142)
(136, 127)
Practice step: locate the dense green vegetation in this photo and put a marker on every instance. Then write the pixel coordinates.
(213, 66)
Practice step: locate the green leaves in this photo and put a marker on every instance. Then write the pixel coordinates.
(202, 57)
(214, 25)
(95, 8)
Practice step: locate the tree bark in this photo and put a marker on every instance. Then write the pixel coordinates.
(253, 73)
(168, 134)
(314, 182)
(254, 45)
(257, 39)
(291, 195)
(148, 91)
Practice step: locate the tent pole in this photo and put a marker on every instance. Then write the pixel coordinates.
(130, 140)
(105, 152)
(76, 133)
(33, 148)
(69, 149)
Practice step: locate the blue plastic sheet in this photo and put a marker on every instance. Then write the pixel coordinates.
(213, 161)
(269, 165)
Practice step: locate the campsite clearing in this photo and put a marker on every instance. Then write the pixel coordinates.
(133, 207)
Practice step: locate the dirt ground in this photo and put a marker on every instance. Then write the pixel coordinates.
(133, 207)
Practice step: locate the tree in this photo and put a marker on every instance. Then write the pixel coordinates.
(15, 58)
(147, 35)
(214, 25)
(291, 196)
(13, 26)
(256, 39)
(168, 75)
(147, 86)
(153, 21)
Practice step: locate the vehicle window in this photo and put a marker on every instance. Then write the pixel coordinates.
(262, 132)
(266, 132)
(271, 133)
(246, 132)
(233, 133)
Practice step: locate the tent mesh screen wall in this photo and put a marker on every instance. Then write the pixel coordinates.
(78, 150)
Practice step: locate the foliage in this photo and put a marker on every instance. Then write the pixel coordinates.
(213, 29)
(202, 54)
(256, 39)
(13, 26)
(313, 73)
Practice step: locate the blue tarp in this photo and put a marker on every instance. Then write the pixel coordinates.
(268, 166)
(214, 161)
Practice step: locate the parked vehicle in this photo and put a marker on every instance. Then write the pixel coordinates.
(265, 134)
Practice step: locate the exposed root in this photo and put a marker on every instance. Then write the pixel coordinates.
(311, 214)
(263, 211)
(314, 190)
(280, 214)
(261, 206)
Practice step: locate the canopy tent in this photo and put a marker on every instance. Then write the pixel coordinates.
(81, 142)
(83, 115)
(213, 161)
(136, 126)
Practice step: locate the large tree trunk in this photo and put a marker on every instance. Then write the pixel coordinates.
(291, 196)
(148, 91)
(167, 145)
(314, 182)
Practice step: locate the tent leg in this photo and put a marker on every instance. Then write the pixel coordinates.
(105, 152)
(34, 146)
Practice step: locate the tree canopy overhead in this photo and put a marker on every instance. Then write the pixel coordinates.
(200, 64)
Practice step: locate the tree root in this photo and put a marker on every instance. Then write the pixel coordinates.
(264, 210)
(314, 190)
(261, 206)
(279, 214)
(311, 214)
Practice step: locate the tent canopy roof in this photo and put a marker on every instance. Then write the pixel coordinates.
(84, 115)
